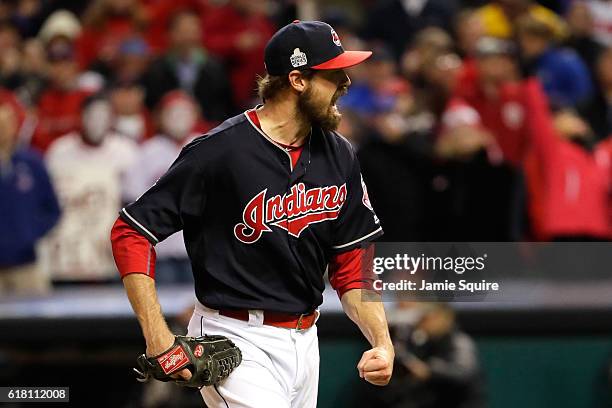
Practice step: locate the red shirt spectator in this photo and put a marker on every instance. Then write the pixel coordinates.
(160, 12)
(59, 106)
(603, 152)
(568, 185)
(58, 114)
(238, 33)
(105, 25)
(503, 114)
(490, 84)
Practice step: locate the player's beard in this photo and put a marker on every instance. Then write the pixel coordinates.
(324, 116)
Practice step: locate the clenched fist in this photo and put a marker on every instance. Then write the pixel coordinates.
(376, 365)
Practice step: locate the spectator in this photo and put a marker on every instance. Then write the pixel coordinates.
(436, 364)
(190, 67)
(33, 72)
(60, 23)
(370, 95)
(565, 77)
(427, 42)
(404, 138)
(28, 208)
(460, 132)
(10, 58)
(161, 12)
(22, 65)
(494, 90)
(485, 195)
(581, 38)
(601, 10)
(500, 16)
(106, 24)
(59, 105)
(437, 76)
(395, 22)
(598, 110)
(131, 117)
(178, 117)
(133, 60)
(28, 16)
(568, 179)
(469, 29)
(88, 168)
(238, 32)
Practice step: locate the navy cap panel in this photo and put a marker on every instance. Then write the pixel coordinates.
(297, 50)
(322, 45)
(280, 49)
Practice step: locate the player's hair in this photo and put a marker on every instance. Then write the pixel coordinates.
(269, 86)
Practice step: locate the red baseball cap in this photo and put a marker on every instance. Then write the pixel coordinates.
(308, 45)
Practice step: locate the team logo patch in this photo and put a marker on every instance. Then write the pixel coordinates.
(198, 351)
(335, 38)
(366, 200)
(298, 58)
(173, 360)
(292, 212)
(366, 197)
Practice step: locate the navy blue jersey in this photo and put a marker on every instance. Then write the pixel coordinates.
(259, 233)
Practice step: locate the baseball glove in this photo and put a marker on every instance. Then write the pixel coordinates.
(209, 358)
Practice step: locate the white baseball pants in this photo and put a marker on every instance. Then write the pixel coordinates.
(279, 369)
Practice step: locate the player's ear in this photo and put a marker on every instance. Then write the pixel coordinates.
(297, 80)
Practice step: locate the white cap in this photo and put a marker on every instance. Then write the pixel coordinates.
(61, 22)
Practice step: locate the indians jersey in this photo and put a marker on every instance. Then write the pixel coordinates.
(259, 231)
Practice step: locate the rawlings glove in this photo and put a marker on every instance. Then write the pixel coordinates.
(209, 358)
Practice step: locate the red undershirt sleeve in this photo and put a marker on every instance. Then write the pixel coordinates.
(133, 253)
(352, 270)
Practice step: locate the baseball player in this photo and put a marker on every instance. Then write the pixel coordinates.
(267, 201)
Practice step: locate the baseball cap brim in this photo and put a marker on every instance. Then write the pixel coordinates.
(345, 60)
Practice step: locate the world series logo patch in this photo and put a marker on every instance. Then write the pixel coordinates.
(298, 58)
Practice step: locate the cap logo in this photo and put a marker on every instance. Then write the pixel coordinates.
(335, 38)
(298, 58)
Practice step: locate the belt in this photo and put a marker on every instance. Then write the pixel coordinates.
(285, 320)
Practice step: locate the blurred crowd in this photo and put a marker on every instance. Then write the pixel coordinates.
(486, 122)
(473, 120)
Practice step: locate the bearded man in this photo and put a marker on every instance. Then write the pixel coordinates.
(267, 202)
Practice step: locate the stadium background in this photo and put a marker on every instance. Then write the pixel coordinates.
(444, 131)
